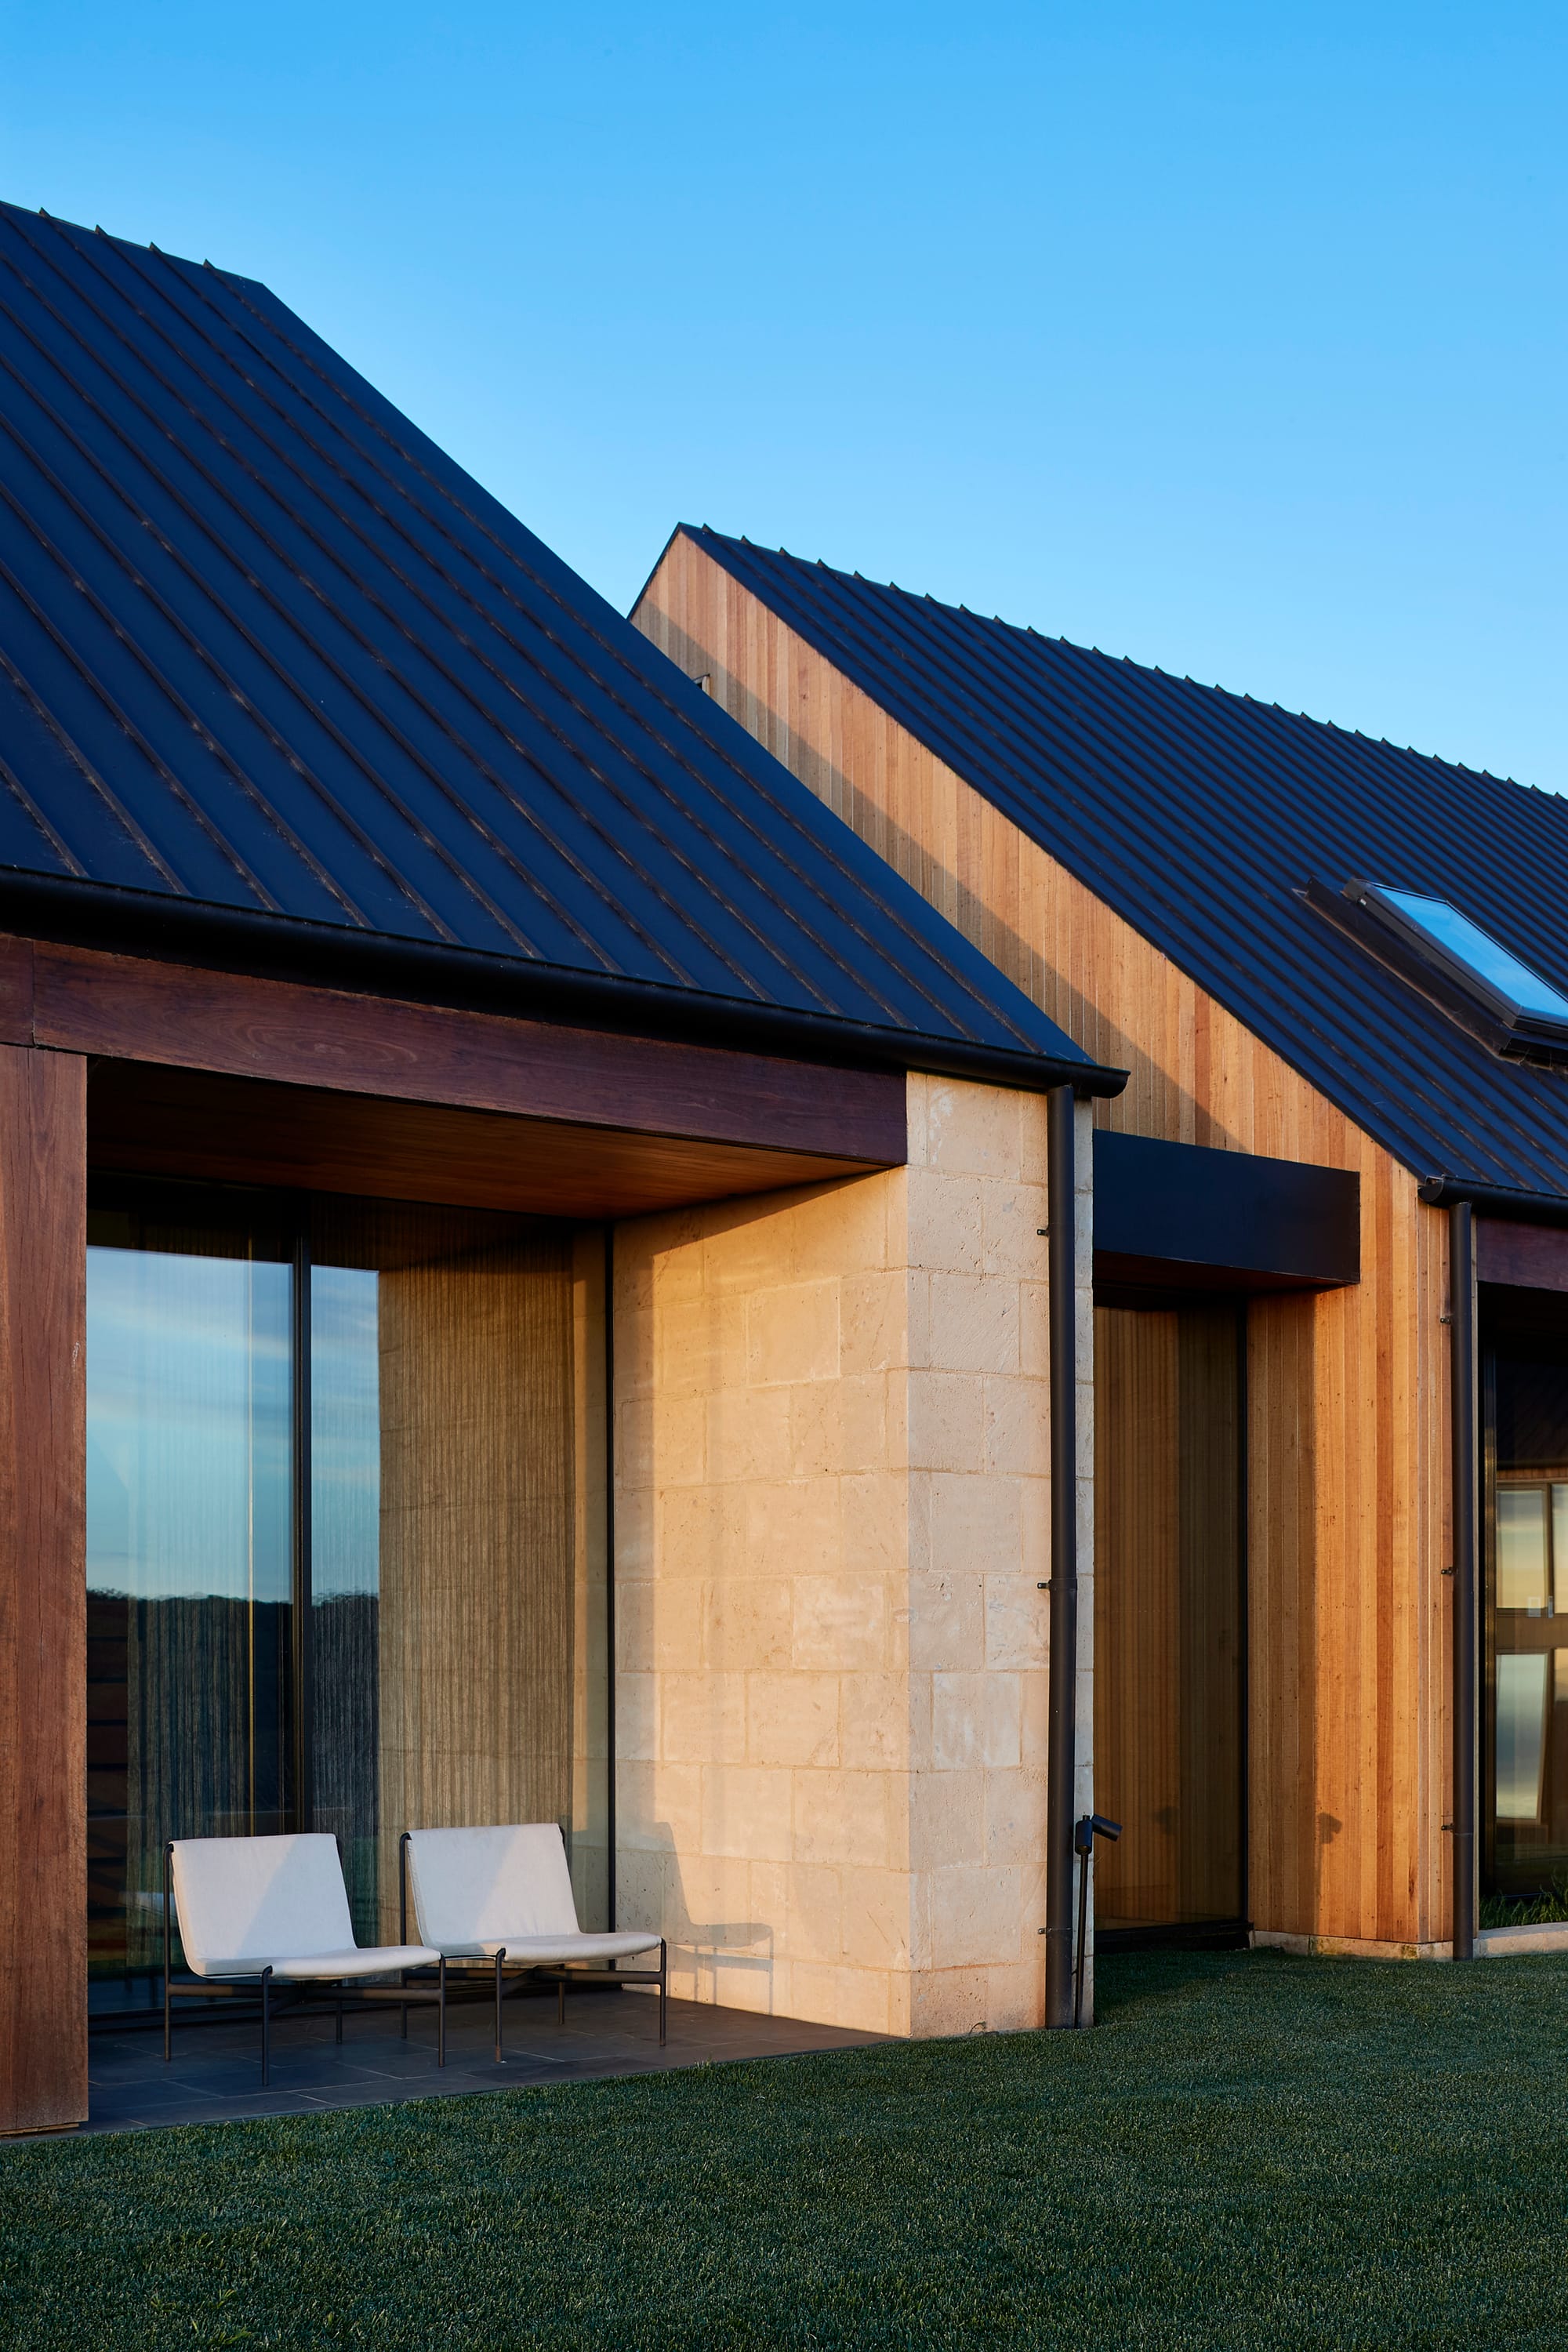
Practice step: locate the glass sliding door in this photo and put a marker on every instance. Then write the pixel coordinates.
(190, 1587)
(1169, 1616)
(1525, 1739)
(339, 1574)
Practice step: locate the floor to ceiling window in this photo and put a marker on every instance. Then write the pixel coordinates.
(1525, 1711)
(190, 1577)
(335, 1538)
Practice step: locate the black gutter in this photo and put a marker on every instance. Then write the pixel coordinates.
(1465, 1407)
(1495, 1200)
(283, 946)
(1061, 1758)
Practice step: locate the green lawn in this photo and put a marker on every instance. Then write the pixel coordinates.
(1249, 2151)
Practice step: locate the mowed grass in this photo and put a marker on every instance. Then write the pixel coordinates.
(1250, 2150)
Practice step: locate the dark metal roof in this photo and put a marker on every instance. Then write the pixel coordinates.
(267, 653)
(1201, 815)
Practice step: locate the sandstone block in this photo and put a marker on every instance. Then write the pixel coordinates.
(793, 1718)
(840, 1623)
(746, 1813)
(974, 1917)
(792, 1333)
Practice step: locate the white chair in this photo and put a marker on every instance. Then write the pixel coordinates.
(274, 1910)
(504, 1896)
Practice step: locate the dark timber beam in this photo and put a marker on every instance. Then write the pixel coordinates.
(43, 1590)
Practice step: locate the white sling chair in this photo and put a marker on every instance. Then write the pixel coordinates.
(503, 1898)
(275, 1911)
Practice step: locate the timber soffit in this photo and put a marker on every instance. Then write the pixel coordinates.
(1200, 815)
(276, 673)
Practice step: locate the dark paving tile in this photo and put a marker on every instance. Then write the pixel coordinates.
(215, 2074)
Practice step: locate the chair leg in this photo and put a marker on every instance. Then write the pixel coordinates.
(266, 2027)
(441, 2014)
(168, 1957)
(663, 1989)
(499, 1957)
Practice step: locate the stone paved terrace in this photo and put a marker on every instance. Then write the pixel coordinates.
(215, 2074)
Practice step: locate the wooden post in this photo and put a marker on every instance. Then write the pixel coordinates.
(43, 1590)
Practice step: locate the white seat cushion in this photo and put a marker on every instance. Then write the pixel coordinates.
(476, 1891)
(248, 1903)
(359, 1960)
(540, 1952)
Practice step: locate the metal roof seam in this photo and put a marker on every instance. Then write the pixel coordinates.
(399, 882)
(393, 798)
(762, 938)
(544, 586)
(145, 588)
(1025, 810)
(1349, 1009)
(18, 790)
(380, 693)
(202, 817)
(86, 769)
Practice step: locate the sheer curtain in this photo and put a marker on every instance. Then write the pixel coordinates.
(189, 1570)
(442, 1512)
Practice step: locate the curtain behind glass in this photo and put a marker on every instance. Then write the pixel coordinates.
(443, 1530)
(188, 1557)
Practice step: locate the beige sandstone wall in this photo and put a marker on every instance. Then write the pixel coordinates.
(832, 1517)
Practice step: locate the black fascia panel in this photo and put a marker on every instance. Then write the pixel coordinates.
(1182, 1216)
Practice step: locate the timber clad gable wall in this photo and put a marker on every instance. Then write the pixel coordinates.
(1348, 1767)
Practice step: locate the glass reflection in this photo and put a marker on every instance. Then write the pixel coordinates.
(188, 1442)
(1526, 1753)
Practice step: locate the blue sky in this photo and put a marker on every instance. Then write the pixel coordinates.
(1230, 337)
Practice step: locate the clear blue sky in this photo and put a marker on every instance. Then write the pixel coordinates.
(1230, 337)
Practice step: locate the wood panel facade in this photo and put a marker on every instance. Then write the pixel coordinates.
(1168, 1594)
(43, 1590)
(1348, 1484)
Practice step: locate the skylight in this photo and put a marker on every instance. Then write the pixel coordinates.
(1469, 945)
(1451, 959)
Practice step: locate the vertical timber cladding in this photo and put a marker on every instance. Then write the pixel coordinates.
(43, 1588)
(1348, 1470)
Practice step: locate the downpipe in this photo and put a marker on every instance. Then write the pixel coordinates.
(1061, 1756)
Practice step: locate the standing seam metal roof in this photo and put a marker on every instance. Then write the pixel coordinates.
(1199, 815)
(264, 647)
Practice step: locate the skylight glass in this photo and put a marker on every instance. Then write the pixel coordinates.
(1467, 944)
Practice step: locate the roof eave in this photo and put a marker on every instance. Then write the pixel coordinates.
(281, 947)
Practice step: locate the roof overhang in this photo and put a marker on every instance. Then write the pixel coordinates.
(267, 946)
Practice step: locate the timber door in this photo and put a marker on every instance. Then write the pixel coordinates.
(1170, 1619)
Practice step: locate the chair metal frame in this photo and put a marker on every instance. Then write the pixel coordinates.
(237, 1987)
(560, 1974)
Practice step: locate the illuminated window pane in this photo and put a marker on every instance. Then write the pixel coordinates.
(1520, 1734)
(1522, 1579)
